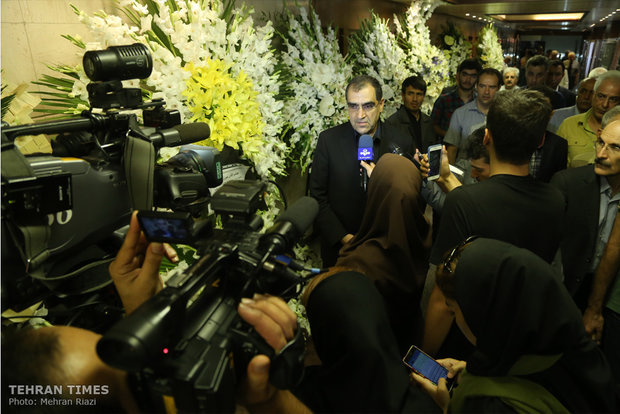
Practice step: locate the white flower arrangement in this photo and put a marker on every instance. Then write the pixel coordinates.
(422, 56)
(490, 49)
(375, 52)
(458, 52)
(206, 35)
(315, 74)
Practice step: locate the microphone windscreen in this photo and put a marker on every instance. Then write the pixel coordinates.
(301, 213)
(189, 133)
(364, 148)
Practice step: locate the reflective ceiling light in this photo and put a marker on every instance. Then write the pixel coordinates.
(540, 17)
(466, 14)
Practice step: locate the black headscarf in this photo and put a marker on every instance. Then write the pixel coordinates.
(515, 305)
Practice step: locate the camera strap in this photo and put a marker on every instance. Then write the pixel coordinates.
(139, 170)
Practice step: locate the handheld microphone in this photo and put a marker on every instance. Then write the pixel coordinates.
(291, 225)
(180, 135)
(364, 153)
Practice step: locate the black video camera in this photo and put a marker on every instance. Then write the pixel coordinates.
(187, 345)
(61, 212)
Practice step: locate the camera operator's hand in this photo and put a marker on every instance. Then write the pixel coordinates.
(135, 270)
(276, 323)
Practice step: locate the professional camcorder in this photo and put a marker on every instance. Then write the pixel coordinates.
(60, 211)
(187, 344)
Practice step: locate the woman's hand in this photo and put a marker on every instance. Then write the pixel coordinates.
(439, 393)
(454, 366)
(368, 166)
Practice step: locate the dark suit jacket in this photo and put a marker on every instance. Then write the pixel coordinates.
(335, 180)
(581, 189)
(554, 156)
(402, 119)
(569, 97)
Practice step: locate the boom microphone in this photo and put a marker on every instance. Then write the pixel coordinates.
(180, 135)
(364, 153)
(291, 225)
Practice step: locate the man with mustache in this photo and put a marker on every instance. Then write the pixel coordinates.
(592, 195)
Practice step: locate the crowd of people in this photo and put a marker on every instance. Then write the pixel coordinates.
(512, 282)
(533, 171)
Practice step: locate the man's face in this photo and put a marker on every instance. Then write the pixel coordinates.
(487, 86)
(584, 95)
(605, 97)
(364, 109)
(554, 76)
(607, 161)
(535, 75)
(480, 169)
(510, 80)
(413, 98)
(466, 79)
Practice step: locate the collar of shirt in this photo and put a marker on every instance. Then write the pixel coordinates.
(583, 122)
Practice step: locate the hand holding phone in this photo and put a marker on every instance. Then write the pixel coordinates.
(434, 160)
(426, 366)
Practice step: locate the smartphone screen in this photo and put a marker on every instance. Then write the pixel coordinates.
(434, 160)
(165, 227)
(425, 365)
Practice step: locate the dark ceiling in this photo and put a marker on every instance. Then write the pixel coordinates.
(598, 13)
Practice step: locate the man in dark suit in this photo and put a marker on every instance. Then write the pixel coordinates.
(592, 195)
(552, 154)
(335, 178)
(409, 117)
(554, 77)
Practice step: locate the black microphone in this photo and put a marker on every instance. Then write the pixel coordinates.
(364, 153)
(290, 226)
(180, 135)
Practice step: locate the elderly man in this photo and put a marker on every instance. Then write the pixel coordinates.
(511, 77)
(471, 116)
(592, 194)
(446, 104)
(335, 177)
(580, 130)
(409, 117)
(554, 77)
(583, 102)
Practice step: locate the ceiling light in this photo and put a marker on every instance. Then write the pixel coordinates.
(466, 14)
(473, 17)
(540, 17)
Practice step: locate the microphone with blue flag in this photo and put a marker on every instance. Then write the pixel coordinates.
(364, 153)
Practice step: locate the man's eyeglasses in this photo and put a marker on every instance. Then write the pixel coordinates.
(448, 260)
(368, 106)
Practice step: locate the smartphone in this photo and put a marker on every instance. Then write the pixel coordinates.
(434, 160)
(164, 226)
(426, 366)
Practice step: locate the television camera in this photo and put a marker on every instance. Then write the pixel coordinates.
(61, 212)
(187, 344)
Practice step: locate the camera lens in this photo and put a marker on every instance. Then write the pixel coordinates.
(118, 63)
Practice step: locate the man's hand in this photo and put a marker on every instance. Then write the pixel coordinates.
(135, 270)
(276, 323)
(424, 165)
(593, 321)
(454, 366)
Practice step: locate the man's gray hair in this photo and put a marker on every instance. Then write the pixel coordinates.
(613, 75)
(609, 116)
(511, 69)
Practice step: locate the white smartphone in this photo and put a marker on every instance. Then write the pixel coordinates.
(434, 160)
(426, 366)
